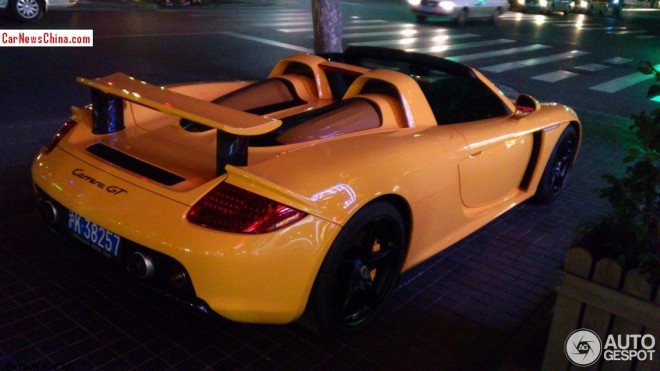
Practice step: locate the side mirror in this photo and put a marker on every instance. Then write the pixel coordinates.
(525, 104)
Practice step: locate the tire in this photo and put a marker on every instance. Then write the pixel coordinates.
(462, 17)
(495, 17)
(557, 169)
(359, 272)
(27, 10)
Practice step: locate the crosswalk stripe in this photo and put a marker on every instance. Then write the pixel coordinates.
(308, 20)
(555, 76)
(602, 28)
(406, 32)
(359, 27)
(304, 22)
(503, 67)
(268, 42)
(294, 18)
(592, 67)
(408, 41)
(618, 60)
(628, 32)
(621, 83)
(498, 53)
(583, 26)
(476, 44)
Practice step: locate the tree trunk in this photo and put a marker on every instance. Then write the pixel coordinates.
(326, 15)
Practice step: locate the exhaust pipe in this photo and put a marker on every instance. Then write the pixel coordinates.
(140, 265)
(48, 212)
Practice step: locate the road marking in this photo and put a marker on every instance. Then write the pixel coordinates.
(476, 44)
(623, 82)
(592, 67)
(269, 42)
(602, 28)
(409, 31)
(503, 67)
(555, 76)
(412, 40)
(617, 60)
(628, 32)
(308, 20)
(498, 53)
(294, 18)
(360, 27)
(581, 26)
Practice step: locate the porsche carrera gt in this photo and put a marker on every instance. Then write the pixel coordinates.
(305, 195)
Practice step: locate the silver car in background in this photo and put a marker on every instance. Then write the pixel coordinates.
(548, 6)
(33, 10)
(459, 10)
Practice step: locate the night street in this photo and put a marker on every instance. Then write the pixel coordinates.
(61, 306)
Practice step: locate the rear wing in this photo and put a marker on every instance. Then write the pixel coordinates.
(162, 99)
(233, 126)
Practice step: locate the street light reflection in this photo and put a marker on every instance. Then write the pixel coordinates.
(539, 19)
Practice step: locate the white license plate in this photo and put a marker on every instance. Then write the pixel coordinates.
(94, 235)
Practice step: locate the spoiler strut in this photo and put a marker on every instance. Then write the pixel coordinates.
(234, 127)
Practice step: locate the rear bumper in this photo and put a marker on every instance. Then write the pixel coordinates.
(248, 278)
(433, 11)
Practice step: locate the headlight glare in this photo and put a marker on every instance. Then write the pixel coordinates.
(447, 5)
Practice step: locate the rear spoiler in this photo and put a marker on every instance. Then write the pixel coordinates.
(233, 126)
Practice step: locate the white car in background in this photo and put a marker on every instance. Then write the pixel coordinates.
(459, 10)
(32, 10)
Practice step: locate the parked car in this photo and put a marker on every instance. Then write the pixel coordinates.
(305, 195)
(608, 7)
(459, 10)
(549, 6)
(33, 10)
(583, 6)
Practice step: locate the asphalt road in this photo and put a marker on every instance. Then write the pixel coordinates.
(587, 62)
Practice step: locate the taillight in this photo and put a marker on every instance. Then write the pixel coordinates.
(61, 132)
(232, 209)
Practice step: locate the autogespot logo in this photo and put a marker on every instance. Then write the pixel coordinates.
(583, 347)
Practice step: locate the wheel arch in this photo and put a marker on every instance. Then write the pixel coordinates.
(44, 4)
(310, 316)
(404, 209)
(578, 129)
(536, 164)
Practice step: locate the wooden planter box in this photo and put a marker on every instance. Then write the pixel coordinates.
(597, 296)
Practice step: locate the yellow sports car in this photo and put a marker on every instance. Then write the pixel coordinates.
(305, 195)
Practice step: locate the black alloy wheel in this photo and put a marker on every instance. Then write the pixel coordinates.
(557, 169)
(359, 273)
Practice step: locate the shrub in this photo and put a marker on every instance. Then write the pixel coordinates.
(629, 233)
